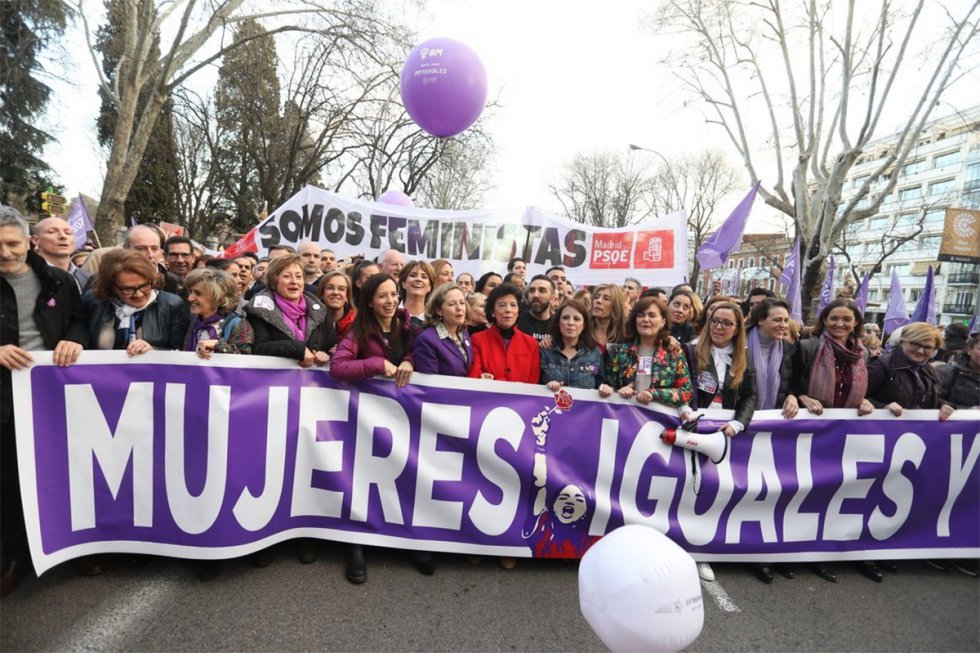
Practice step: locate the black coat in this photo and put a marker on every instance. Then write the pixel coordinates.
(891, 379)
(273, 337)
(57, 313)
(164, 323)
(741, 399)
(960, 384)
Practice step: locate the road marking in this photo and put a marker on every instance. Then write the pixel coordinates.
(111, 625)
(720, 596)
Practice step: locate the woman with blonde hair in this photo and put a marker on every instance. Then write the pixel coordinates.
(443, 270)
(903, 377)
(609, 315)
(218, 326)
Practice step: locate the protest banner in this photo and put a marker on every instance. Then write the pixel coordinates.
(165, 454)
(478, 241)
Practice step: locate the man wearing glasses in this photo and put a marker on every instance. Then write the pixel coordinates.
(179, 255)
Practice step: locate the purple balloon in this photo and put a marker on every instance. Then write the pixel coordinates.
(444, 86)
(396, 197)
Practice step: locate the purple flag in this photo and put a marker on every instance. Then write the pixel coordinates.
(925, 308)
(896, 314)
(790, 279)
(80, 222)
(715, 250)
(862, 294)
(827, 292)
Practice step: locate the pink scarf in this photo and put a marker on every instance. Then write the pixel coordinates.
(823, 376)
(294, 313)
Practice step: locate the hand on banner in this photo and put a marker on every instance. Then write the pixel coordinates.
(320, 358)
(605, 390)
(895, 409)
(866, 408)
(308, 358)
(554, 386)
(66, 353)
(626, 392)
(205, 348)
(790, 407)
(644, 397)
(811, 405)
(14, 358)
(945, 412)
(137, 347)
(402, 374)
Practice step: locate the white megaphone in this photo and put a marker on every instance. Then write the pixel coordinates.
(713, 445)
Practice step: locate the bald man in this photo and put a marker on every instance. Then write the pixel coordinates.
(54, 240)
(391, 262)
(149, 242)
(310, 254)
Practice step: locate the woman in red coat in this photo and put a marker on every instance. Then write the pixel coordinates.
(503, 352)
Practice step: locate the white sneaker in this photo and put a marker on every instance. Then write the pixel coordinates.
(705, 572)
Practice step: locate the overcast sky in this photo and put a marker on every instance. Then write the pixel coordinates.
(571, 76)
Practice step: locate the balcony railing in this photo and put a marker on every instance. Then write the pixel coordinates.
(963, 277)
(958, 309)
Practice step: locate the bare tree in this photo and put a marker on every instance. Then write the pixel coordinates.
(198, 32)
(605, 189)
(695, 183)
(839, 64)
(460, 178)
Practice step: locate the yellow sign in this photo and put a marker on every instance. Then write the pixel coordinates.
(961, 236)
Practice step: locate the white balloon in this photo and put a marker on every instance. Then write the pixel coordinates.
(639, 591)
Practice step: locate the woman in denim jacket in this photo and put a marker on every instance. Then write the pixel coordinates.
(574, 360)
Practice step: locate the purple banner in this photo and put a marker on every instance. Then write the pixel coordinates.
(169, 455)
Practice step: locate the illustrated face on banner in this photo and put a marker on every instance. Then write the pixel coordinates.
(570, 505)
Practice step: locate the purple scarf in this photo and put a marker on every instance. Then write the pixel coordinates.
(294, 313)
(767, 357)
(206, 327)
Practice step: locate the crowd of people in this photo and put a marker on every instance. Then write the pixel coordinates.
(392, 318)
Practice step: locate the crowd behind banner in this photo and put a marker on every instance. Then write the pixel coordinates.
(391, 317)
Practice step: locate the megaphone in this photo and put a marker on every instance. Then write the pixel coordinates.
(713, 445)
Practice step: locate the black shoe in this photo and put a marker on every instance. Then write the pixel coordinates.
(208, 570)
(968, 567)
(785, 571)
(307, 551)
(889, 566)
(261, 558)
(763, 573)
(423, 561)
(88, 566)
(824, 572)
(356, 569)
(870, 569)
(12, 575)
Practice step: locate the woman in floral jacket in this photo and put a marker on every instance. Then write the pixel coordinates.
(647, 368)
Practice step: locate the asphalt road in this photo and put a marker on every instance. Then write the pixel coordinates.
(162, 606)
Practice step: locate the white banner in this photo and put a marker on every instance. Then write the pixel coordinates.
(482, 240)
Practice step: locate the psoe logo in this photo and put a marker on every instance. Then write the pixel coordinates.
(611, 251)
(654, 249)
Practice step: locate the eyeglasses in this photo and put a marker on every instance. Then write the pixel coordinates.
(129, 291)
(724, 324)
(925, 349)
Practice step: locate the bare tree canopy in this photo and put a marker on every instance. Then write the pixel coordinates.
(605, 189)
(194, 35)
(806, 86)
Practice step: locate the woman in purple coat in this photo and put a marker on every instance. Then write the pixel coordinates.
(443, 346)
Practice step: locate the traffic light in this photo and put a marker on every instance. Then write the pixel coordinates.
(53, 204)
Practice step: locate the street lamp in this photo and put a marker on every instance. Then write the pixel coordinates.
(647, 149)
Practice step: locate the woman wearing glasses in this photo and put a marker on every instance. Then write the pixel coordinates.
(126, 309)
(723, 378)
(903, 377)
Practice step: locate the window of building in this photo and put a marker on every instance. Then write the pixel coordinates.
(914, 167)
(901, 268)
(910, 193)
(915, 294)
(946, 159)
(972, 177)
(931, 242)
(942, 187)
(935, 216)
(879, 222)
